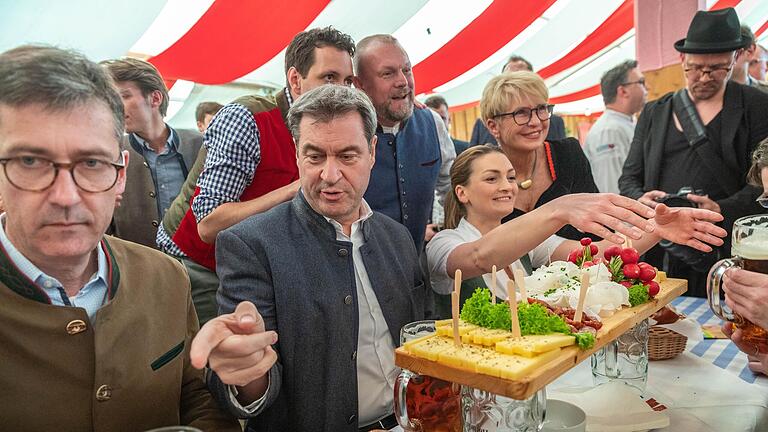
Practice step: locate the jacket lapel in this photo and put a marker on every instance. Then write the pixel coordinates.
(733, 111)
(655, 153)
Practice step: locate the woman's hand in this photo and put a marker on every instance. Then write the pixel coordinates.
(599, 213)
(689, 226)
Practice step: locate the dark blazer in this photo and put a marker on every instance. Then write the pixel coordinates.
(744, 124)
(136, 219)
(481, 135)
(302, 280)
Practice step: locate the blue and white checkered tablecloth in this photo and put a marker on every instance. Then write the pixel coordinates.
(720, 352)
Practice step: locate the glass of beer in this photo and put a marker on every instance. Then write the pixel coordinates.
(750, 252)
(424, 403)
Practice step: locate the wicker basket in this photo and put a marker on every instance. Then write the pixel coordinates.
(664, 344)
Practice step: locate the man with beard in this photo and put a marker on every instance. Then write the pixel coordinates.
(700, 137)
(415, 149)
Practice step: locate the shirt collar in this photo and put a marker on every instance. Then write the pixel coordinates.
(32, 272)
(612, 112)
(171, 142)
(366, 213)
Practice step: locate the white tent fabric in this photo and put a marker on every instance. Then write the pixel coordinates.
(147, 28)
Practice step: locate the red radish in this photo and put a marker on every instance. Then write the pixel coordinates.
(593, 249)
(653, 288)
(631, 271)
(612, 251)
(587, 264)
(574, 256)
(647, 273)
(630, 256)
(644, 264)
(586, 241)
(626, 284)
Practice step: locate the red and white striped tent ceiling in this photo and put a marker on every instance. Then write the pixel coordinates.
(220, 49)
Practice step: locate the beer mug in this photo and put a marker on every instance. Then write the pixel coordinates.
(750, 252)
(484, 411)
(424, 403)
(625, 359)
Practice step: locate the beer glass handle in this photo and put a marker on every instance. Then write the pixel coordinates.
(401, 407)
(714, 285)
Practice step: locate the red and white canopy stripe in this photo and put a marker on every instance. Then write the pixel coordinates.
(454, 45)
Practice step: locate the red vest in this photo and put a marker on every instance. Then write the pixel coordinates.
(276, 169)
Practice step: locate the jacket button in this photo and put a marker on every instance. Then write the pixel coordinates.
(104, 393)
(402, 180)
(348, 300)
(155, 223)
(351, 419)
(405, 217)
(76, 326)
(405, 205)
(343, 252)
(354, 355)
(401, 166)
(152, 194)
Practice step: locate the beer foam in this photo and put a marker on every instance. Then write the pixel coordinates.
(753, 247)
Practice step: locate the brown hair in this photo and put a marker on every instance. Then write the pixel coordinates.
(759, 161)
(205, 108)
(301, 51)
(460, 173)
(57, 79)
(144, 74)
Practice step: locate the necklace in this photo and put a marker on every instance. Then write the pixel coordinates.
(526, 184)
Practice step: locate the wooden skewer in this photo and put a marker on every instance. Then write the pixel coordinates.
(455, 307)
(512, 298)
(520, 281)
(582, 296)
(493, 284)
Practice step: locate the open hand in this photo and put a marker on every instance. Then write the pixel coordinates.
(599, 213)
(689, 226)
(235, 346)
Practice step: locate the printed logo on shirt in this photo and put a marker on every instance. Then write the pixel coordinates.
(604, 148)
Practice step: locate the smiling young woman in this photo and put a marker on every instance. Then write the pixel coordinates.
(485, 190)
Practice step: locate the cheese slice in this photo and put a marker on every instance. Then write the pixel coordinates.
(513, 367)
(489, 337)
(464, 328)
(429, 347)
(465, 357)
(534, 345)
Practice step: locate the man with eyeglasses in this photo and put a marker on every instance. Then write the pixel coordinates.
(700, 137)
(95, 330)
(744, 57)
(608, 141)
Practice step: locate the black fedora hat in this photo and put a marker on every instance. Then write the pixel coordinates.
(712, 32)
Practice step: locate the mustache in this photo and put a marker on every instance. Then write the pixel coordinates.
(65, 215)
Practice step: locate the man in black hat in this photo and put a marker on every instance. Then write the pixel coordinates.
(700, 137)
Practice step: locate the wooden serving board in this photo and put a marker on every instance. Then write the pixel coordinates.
(613, 327)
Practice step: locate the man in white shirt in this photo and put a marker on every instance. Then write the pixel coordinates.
(334, 279)
(607, 143)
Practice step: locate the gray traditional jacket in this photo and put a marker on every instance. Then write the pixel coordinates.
(302, 280)
(136, 219)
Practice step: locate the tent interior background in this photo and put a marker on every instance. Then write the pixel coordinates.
(217, 50)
